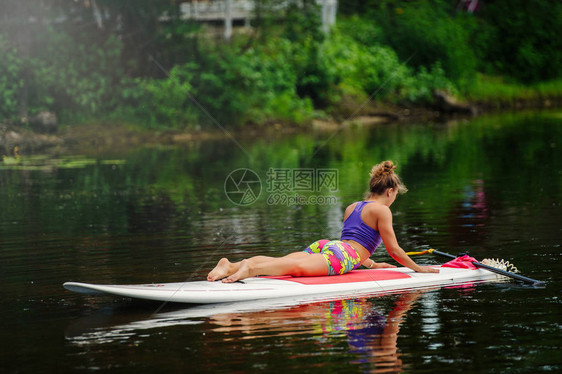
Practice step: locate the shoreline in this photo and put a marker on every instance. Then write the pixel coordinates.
(111, 137)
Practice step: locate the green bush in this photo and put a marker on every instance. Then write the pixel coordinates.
(61, 73)
(430, 32)
(375, 69)
(271, 69)
(394, 50)
(10, 80)
(302, 28)
(78, 76)
(419, 89)
(232, 87)
(363, 30)
(165, 103)
(521, 38)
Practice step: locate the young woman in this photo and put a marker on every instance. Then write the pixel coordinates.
(366, 224)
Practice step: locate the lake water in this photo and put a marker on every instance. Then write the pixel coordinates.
(490, 186)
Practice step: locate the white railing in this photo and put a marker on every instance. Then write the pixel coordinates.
(231, 10)
(216, 9)
(208, 10)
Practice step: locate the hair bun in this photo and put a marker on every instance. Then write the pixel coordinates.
(382, 169)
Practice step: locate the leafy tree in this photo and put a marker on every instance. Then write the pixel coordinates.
(426, 32)
(10, 80)
(521, 38)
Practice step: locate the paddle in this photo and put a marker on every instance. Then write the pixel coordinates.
(533, 282)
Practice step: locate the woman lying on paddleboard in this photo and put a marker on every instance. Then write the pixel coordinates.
(366, 224)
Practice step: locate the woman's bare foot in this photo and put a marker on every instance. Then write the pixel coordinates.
(223, 269)
(245, 271)
(381, 265)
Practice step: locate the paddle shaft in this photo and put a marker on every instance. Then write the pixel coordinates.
(533, 282)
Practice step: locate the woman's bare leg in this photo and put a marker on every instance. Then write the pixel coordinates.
(296, 264)
(224, 268)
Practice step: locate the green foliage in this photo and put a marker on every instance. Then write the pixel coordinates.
(522, 39)
(353, 7)
(364, 63)
(428, 32)
(303, 31)
(420, 88)
(63, 73)
(363, 30)
(166, 102)
(233, 87)
(372, 68)
(302, 22)
(499, 91)
(392, 50)
(10, 80)
(176, 44)
(272, 71)
(224, 86)
(80, 77)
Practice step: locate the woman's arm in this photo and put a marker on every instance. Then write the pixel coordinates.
(386, 231)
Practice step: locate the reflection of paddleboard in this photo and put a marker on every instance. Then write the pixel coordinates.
(106, 325)
(354, 283)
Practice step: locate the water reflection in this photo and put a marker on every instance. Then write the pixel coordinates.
(369, 331)
(475, 203)
(376, 342)
(469, 216)
(490, 186)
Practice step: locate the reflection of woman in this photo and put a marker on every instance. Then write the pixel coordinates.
(366, 224)
(371, 335)
(377, 341)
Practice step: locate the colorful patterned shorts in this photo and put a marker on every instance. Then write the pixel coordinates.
(340, 256)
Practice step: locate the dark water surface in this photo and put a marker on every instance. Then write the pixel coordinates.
(491, 186)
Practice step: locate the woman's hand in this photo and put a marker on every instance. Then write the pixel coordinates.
(382, 265)
(427, 269)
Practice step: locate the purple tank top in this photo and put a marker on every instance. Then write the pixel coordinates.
(355, 229)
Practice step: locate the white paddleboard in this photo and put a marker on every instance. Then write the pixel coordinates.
(356, 282)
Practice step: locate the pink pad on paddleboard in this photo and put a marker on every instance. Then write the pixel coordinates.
(351, 277)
